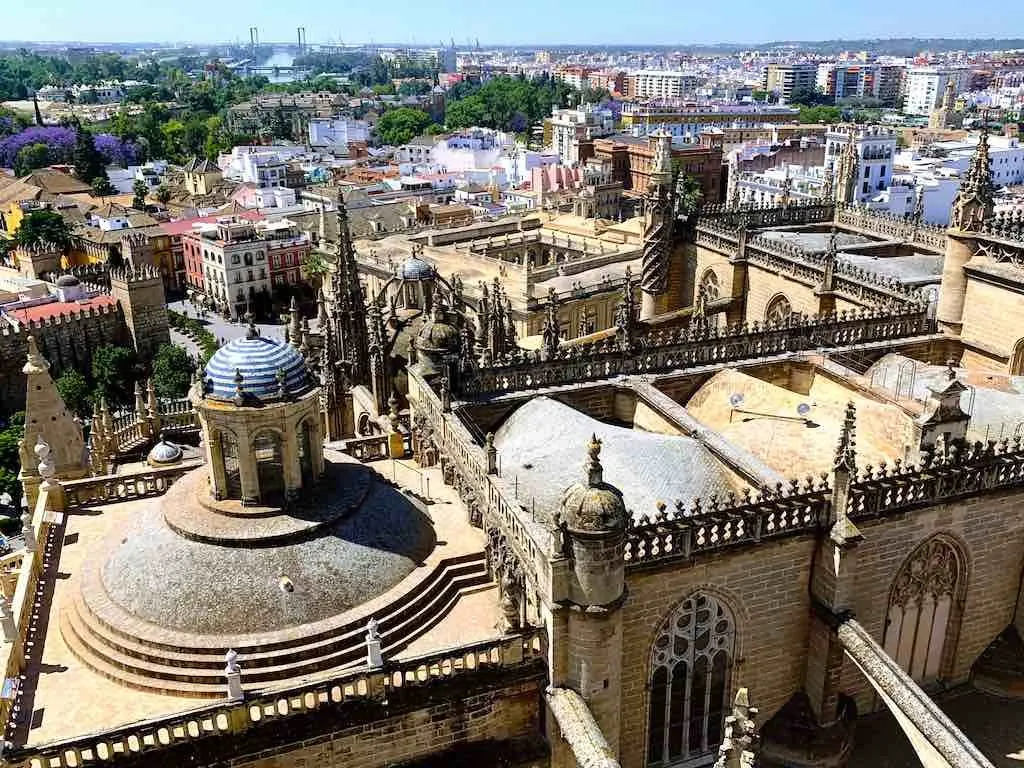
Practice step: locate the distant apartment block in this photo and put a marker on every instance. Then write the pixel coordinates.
(926, 85)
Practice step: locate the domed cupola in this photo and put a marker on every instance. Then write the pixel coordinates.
(164, 454)
(416, 268)
(256, 370)
(594, 506)
(438, 342)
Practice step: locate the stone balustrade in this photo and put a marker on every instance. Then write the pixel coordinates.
(713, 524)
(370, 448)
(115, 488)
(279, 704)
(663, 351)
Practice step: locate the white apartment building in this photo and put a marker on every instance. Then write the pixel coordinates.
(663, 84)
(925, 87)
(262, 166)
(876, 153)
(336, 133)
(571, 126)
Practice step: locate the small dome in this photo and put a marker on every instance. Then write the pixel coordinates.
(164, 453)
(67, 281)
(415, 268)
(438, 334)
(594, 506)
(256, 364)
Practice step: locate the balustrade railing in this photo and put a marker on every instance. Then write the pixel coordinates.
(706, 526)
(114, 488)
(279, 704)
(694, 346)
(952, 473)
(369, 448)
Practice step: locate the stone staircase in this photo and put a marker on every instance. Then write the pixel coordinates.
(96, 631)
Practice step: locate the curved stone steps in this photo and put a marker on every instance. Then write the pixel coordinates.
(197, 672)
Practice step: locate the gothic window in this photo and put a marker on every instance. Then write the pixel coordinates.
(709, 285)
(691, 667)
(779, 310)
(924, 609)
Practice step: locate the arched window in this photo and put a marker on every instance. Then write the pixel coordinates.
(779, 310)
(229, 453)
(266, 448)
(924, 609)
(1017, 359)
(709, 285)
(691, 667)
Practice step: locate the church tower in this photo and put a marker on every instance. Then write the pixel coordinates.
(140, 294)
(942, 117)
(846, 174)
(658, 220)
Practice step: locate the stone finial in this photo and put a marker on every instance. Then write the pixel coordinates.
(595, 472)
(43, 452)
(252, 332)
(374, 655)
(846, 457)
(492, 454)
(282, 393)
(140, 402)
(393, 412)
(739, 745)
(27, 531)
(10, 628)
(35, 362)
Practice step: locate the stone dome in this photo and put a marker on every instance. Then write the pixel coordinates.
(259, 362)
(164, 453)
(67, 281)
(594, 506)
(438, 334)
(415, 268)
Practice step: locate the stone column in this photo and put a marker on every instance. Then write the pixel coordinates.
(247, 472)
(290, 464)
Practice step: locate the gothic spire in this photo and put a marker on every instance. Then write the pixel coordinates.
(846, 456)
(976, 202)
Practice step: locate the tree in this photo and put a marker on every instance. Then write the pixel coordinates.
(810, 97)
(163, 194)
(398, 126)
(76, 393)
(172, 371)
(414, 88)
(101, 186)
(10, 457)
(44, 227)
(115, 371)
(139, 192)
(87, 159)
(31, 157)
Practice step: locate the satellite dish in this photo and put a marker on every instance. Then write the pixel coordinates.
(736, 399)
(803, 409)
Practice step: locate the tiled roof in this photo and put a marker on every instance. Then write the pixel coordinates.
(56, 308)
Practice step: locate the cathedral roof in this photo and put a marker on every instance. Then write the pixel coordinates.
(415, 268)
(256, 364)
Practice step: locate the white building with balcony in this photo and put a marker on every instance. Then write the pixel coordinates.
(334, 134)
(876, 152)
(571, 126)
(924, 87)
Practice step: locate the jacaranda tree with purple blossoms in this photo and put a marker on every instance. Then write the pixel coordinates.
(61, 143)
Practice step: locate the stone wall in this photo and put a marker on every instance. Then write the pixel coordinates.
(765, 586)
(764, 285)
(990, 335)
(66, 343)
(143, 302)
(990, 533)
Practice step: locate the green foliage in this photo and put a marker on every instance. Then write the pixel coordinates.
(397, 126)
(384, 89)
(820, 114)
(414, 88)
(172, 371)
(196, 331)
(163, 194)
(88, 161)
(101, 186)
(139, 193)
(115, 371)
(31, 157)
(810, 97)
(41, 227)
(507, 103)
(10, 459)
(74, 389)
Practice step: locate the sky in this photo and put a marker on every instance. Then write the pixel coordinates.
(426, 22)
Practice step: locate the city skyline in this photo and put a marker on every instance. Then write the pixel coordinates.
(572, 22)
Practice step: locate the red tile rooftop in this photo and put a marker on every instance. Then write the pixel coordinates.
(56, 308)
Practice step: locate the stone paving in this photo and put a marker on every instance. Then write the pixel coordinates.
(70, 699)
(995, 725)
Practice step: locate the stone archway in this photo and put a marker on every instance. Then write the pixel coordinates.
(1017, 359)
(778, 311)
(269, 456)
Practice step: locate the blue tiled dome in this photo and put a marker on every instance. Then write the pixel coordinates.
(258, 360)
(416, 269)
